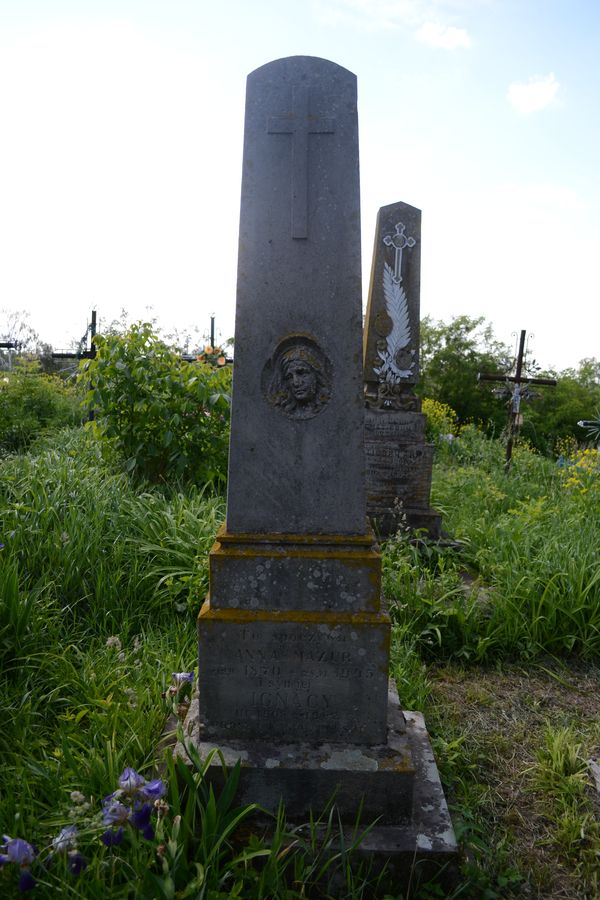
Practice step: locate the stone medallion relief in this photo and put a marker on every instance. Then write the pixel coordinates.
(297, 379)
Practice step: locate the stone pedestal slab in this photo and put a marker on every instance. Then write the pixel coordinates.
(308, 676)
(277, 571)
(306, 775)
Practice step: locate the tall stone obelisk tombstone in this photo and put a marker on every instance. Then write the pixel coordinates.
(294, 603)
(298, 298)
(399, 461)
(293, 642)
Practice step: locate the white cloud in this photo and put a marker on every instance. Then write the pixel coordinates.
(534, 95)
(375, 15)
(370, 14)
(445, 36)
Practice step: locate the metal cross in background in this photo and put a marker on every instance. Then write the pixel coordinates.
(81, 353)
(514, 383)
(300, 123)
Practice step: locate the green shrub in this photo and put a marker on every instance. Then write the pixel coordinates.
(441, 420)
(167, 418)
(31, 403)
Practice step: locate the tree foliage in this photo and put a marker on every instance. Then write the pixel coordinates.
(452, 355)
(167, 418)
(554, 413)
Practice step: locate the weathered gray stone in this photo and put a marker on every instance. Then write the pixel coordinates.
(296, 453)
(398, 460)
(396, 783)
(293, 643)
(295, 573)
(400, 467)
(391, 338)
(399, 470)
(306, 773)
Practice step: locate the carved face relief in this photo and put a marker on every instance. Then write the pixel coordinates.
(297, 378)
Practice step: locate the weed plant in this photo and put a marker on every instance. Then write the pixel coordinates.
(32, 402)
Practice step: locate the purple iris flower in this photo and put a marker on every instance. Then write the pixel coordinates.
(183, 678)
(131, 803)
(26, 881)
(111, 837)
(131, 781)
(154, 790)
(76, 863)
(114, 812)
(66, 840)
(18, 851)
(136, 787)
(141, 819)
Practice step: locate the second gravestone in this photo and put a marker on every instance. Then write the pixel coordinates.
(399, 461)
(293, 642)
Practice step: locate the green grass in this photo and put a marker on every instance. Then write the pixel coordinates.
(530, 542)
(100, 584)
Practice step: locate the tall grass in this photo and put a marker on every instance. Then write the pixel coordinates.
(100, 583)
(530, 541)
(84, 561)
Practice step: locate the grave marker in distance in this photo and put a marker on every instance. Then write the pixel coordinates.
(398, 459)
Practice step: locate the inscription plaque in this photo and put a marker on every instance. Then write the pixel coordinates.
(316, 678)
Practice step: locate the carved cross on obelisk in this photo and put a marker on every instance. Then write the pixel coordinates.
(398, 241)
(300, 124)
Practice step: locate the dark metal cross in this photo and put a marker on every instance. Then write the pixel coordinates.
(300, 124)
(516, 380)
(82, 353)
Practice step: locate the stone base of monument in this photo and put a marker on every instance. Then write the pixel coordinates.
(398, 473)
(395, 786)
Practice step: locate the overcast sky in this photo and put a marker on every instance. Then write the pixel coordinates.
(120, 157)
